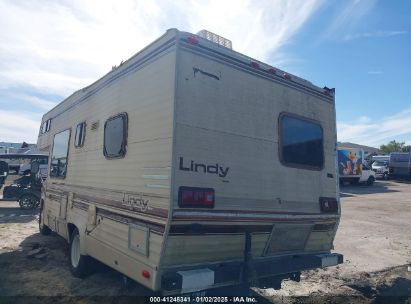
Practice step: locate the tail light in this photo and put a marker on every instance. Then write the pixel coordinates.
(196, 197)
(328, 204)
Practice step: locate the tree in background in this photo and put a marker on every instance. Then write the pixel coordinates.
(394, 146)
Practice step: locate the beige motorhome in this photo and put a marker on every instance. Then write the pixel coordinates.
(191, 167)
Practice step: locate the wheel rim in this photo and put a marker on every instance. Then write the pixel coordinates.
(27, 202)
(75, 251)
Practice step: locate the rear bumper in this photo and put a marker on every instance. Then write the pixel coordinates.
(189, 279)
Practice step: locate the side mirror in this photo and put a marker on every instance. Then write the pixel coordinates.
(35, 167)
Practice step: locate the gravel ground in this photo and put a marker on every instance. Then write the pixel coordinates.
(374, 236)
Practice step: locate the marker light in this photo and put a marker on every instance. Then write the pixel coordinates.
(192, 40)
(255, 64)
(287, 76)
(145, 274)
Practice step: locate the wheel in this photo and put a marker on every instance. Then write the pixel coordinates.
(79, 264)
(370, 180)
(28, 201)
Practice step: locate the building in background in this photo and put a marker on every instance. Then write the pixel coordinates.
(368, 151)
(17, 148)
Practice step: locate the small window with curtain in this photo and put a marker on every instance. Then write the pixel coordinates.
(115, 136)
(80, 135)
(301, 142)
(58, 164)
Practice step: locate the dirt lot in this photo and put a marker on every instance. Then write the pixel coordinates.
(374, 236)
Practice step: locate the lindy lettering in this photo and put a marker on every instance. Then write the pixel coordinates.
(199, 167)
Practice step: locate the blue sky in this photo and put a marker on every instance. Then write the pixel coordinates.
(362, 48)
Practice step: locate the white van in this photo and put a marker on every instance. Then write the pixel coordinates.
(191, 167)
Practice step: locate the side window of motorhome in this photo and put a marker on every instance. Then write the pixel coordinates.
(80, 135)
(45, 127)
(301, 142)
(58, 166)
(115, 136)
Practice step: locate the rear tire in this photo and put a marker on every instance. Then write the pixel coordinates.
(370, 180)
(79, 264)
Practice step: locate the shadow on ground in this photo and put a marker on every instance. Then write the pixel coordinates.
(24, 276)
(17, 215)
(360, 189)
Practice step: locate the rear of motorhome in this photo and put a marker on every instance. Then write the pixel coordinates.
(191, 166)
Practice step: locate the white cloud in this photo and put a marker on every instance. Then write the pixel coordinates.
(57, 47)
(376, 132)
(256, 28)
(35, 101)
(348, 17)
(377, 34)
(18, 126)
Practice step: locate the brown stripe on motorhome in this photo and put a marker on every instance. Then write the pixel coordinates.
(80, 205)
(198, 228)
(251, 219)
(55, 197)
(57, 192)
(154, 227)
(74, 188)
(186, 210)
(157, 212)
(235, 216)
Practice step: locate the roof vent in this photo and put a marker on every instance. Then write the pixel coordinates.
(95, 125)
(215, 38)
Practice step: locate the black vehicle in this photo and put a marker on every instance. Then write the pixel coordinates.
(26, 190)
(4, 171)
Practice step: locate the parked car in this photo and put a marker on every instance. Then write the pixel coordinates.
(380, 167)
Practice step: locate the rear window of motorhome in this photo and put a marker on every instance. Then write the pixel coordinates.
(80, 135)
(301, 142)
(58, 166)
(115, 136)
